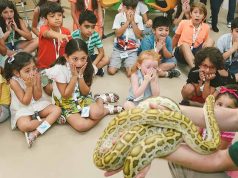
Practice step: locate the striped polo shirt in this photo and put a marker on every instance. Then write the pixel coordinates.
(92, 42)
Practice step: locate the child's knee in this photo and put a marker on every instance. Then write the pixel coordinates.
(111, 70)
(128, 105)
(25, 127)
(188, 91)
(105, 60)
(56, 110)
(184, 47)
(97, 113)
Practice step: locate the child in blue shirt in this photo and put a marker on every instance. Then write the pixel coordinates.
(162, 44)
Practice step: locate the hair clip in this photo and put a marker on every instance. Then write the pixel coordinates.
(11, 59)
(228, 90)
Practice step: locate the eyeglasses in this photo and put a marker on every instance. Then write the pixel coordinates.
(205, 66)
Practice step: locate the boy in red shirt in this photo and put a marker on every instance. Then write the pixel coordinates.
(52, 37)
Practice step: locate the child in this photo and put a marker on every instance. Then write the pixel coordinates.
(13, 28)
(79, 6)
(30, 112)
(204, 77)
(3, 49)
(86, 32)
(142, 9)
(182, 13)
(52, 37)
(161, 43)
(192, 35)
(227, 97)
(4, 98)
(128, 27)
(228, 45)
(144, 79)
(37, 20)
(72, 78)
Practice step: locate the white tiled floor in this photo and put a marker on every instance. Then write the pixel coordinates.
(64, 153)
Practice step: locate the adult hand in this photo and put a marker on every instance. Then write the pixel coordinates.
(141, 174)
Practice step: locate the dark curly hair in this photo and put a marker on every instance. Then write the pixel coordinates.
(214, 55)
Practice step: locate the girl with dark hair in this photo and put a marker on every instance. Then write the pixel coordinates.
(78, 6)
(204, 77)
(37, 20)
(72, 77)
(13, 27)
(30, 111)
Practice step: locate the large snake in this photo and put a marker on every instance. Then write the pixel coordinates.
(135, 137)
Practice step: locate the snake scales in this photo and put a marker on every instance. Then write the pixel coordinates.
(135, 137)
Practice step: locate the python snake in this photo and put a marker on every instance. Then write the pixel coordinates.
(136, 136)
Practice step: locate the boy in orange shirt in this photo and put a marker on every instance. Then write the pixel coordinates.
(192, 35)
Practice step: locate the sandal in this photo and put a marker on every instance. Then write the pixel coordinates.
(30, 138)
(61, 120)
(113, 109)
(107, 97)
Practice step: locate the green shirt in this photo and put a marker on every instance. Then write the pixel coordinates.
(233, 152)
(93, 41)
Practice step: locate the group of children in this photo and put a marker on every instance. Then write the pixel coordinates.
(66, 62)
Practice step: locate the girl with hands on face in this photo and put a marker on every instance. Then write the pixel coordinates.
(72, 77)
(204, 77)
(144, 79)
(31, 112)
(14, 28)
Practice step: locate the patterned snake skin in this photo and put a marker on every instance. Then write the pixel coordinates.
(135, 137)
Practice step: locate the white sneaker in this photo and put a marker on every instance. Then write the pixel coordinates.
(229, 24)
(209, 20)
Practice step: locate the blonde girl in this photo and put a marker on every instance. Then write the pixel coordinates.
(144, 79)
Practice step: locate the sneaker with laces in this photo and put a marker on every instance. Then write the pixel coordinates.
(100, 72)
(174, 73)
(61, 120)
(229, 24)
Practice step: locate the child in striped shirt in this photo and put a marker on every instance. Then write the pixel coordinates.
(87, 33)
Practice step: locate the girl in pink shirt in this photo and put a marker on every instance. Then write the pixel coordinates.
(227, 97)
